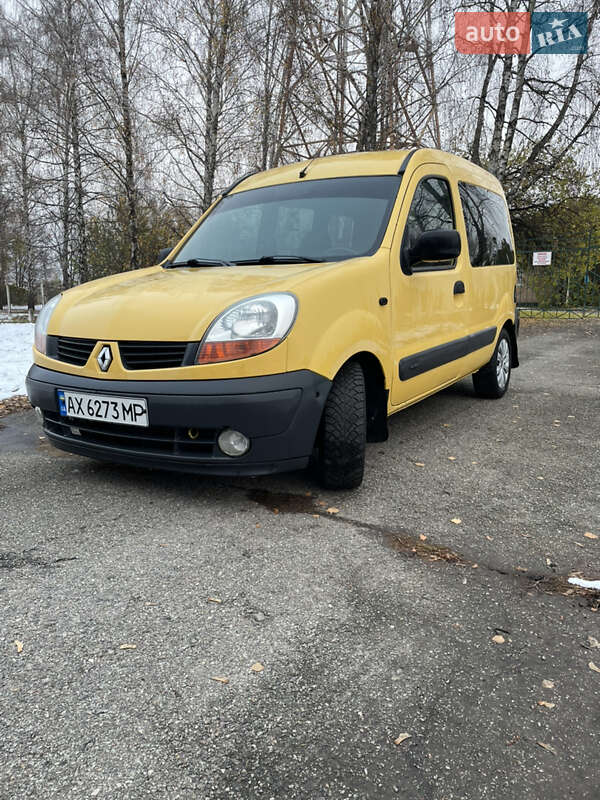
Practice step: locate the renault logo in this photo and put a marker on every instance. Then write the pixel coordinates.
(104, 358)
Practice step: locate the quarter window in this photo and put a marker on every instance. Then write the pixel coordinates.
(487, 225)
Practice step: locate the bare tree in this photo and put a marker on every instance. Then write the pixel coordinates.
(110, 75)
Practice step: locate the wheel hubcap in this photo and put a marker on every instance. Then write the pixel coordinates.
(503, 363)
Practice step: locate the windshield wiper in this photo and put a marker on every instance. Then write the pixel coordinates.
(281, 259)
(200, 262)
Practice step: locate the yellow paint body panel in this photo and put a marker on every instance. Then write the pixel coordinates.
(339, 314)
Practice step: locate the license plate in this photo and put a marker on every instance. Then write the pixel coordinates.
(102, 407)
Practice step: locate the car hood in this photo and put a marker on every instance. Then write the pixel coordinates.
(159, 304)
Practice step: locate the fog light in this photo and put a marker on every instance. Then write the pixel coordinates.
(233, 443)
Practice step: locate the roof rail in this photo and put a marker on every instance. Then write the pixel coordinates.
(237, 181)
(404, 164)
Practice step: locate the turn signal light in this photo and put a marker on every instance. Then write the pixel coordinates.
(213, 352)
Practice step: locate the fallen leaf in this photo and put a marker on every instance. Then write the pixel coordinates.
(474, 566)
(422, 537)
(316, 516)
(220, 679)
(402, 738)
(593, 641)
(19, 646)
(456, 520)
(333, 510)
(590, 535)
(257, 667)
(257, 525)
(451, 458)
(548, 684)
(593, 667)
(540, 477)
(490, 538)
(522, 569)
(578, 544)
(128, 647)
(419, 464)
(163, 545)
(498, 639)
(214, 600)
(445, 425)
(548, 562)
(546, 704)
(547, 747)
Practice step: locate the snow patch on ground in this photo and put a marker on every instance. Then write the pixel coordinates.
(585, 584)
(16, 341)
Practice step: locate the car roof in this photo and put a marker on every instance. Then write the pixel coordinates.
(380, 162)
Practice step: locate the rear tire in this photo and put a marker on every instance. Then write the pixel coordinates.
(343, 432)
(492, 380)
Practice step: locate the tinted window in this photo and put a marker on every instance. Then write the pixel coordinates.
(488, 227)
(431, 209)
(328, 220)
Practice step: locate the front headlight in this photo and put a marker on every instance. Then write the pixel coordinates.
(41, 325)
(248, 328)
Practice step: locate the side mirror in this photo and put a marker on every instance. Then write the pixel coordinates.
(162, 254)
(437, 245)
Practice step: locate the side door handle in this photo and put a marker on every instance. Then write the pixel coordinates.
(459, 287)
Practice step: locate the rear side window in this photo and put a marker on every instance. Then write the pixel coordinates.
(488, 226)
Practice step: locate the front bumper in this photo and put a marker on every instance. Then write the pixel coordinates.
(280, 414)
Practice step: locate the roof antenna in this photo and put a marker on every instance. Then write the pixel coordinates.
(304, 170)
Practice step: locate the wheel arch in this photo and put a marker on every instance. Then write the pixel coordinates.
(376, 395)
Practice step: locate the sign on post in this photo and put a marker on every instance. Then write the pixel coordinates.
(543, 258)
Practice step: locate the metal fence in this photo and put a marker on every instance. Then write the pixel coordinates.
(567, 286)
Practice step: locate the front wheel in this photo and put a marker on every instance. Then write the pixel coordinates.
(493, 379)
(343, 432)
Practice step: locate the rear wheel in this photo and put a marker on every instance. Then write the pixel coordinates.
(343, 433)
(493, 379)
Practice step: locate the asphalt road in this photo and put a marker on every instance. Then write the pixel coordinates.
(365, 628)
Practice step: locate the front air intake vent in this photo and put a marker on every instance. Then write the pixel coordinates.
(74, 351)
(153, 355)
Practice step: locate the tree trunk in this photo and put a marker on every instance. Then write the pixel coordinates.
(372, 28)
(127, 135)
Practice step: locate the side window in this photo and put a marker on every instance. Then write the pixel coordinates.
(431, 209)
(487, 225)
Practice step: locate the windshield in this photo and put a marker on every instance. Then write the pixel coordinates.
(320, 220)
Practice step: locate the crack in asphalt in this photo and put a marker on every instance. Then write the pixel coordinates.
(11, 560)
(404, 542)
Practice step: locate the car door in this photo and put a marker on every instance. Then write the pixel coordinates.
(430, 300)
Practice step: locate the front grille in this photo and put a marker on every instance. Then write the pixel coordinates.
(74, 351)
(134, 355)
(152, 355)
(153, 440)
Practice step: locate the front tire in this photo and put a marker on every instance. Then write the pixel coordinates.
(343, 432)
(492, 380)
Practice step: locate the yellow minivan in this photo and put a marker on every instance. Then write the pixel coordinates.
(308, 304)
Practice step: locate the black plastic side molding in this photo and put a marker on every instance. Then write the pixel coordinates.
(434, 357)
